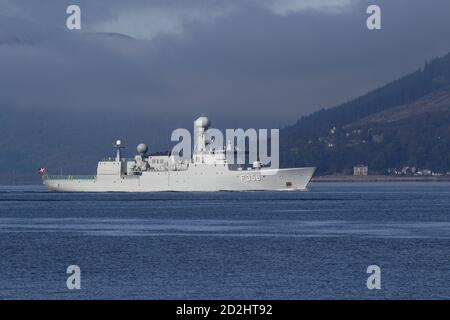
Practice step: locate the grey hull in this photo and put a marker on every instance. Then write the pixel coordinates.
(198, 178)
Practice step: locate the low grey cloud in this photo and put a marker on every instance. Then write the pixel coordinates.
(263, 61)
(151, 19)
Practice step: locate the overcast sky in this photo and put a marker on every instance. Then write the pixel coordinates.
(272, 60)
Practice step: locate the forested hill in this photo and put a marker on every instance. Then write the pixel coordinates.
(404, 123)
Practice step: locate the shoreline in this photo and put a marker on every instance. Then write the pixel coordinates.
(379, 178)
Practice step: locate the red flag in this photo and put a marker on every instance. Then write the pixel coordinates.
(41, 170)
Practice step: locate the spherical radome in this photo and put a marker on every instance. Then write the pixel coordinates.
(142, 148)
(203, 122)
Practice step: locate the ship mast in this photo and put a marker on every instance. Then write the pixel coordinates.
(118, 146)
(200, 126)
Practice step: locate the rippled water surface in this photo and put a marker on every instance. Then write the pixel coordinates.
(251, 245)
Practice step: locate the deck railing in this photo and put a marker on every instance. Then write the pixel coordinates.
(69, 177)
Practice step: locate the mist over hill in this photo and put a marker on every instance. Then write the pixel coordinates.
(72, 141)
(404, 123)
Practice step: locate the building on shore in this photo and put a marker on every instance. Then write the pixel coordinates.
(360, 170)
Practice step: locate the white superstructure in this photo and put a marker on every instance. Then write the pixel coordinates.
(208, 170)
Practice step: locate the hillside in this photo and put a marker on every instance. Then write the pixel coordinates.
(405, 123)
(436, 102)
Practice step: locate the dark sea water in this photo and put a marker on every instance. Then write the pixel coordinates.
(306, 245)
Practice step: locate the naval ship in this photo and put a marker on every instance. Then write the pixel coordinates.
(207, 170)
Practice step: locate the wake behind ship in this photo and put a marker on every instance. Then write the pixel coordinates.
(207, 170)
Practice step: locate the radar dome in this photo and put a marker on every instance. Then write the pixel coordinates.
(202, 122)
(142, 148)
